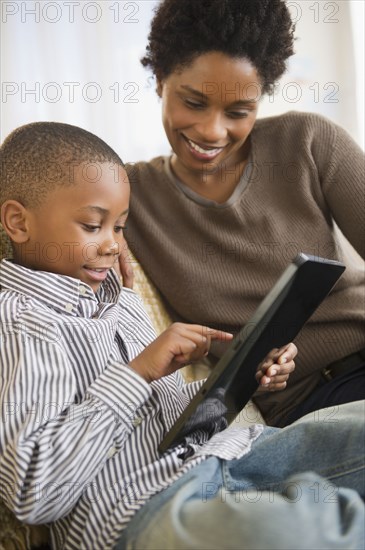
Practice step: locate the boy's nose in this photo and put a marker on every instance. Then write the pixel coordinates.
(109, 248)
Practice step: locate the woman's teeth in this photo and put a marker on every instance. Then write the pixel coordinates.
(208, 152)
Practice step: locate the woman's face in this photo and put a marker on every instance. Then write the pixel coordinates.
(208, 110)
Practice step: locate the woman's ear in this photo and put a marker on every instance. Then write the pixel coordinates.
(14, 218)
(159, 88)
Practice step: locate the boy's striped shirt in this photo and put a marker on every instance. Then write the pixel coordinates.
(79, 428)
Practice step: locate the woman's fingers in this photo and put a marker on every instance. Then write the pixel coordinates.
(125, 268)
(274, 371)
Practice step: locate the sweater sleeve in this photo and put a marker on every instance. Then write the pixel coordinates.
(52, 444)
(343, 182)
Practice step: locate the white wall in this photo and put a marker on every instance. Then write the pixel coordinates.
(77, 61)
(324, 76)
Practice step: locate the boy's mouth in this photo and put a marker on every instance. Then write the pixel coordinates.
(97, 273)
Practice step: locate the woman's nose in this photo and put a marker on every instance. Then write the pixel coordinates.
(212, 129)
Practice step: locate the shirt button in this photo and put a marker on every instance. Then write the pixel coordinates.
(136, 421)
(68, 307)
(112, 451)
(82, 290)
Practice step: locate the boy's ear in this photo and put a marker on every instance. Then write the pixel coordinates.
(14, 218)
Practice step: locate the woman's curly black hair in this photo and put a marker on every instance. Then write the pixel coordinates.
(259, 30)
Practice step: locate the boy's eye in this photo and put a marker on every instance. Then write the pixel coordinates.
(91, 228)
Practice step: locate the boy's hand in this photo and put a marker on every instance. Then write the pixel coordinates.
(175, 347)
(275, 369)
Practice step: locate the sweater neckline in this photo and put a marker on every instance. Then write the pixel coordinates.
(202, 201)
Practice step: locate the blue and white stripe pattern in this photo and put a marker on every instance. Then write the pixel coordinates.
(79, 428)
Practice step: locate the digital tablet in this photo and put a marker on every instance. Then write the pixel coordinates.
(278, 319)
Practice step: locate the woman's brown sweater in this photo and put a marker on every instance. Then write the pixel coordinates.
(214, 263)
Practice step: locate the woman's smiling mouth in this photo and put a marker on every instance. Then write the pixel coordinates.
(202, 153)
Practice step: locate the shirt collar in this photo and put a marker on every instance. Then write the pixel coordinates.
(58, 292)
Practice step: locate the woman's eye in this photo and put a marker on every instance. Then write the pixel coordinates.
(119, 228)
(90, 228)
(238, 114)
(193, 104)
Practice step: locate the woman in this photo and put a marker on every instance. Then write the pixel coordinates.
(217, 222)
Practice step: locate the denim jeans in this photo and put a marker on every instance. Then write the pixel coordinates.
(299, 487)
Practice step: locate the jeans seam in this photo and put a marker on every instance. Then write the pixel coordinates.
(277, 485)
(343, 472)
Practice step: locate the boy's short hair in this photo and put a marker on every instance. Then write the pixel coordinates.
(38, 157)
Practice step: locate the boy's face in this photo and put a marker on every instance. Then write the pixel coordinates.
(78, 230)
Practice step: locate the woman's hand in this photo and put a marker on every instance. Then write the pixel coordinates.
(124, 267)
(275, 369)
(174, 348)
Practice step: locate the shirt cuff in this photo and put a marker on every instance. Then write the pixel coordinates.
(122, 390)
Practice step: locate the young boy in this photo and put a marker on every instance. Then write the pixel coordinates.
(87, 391)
